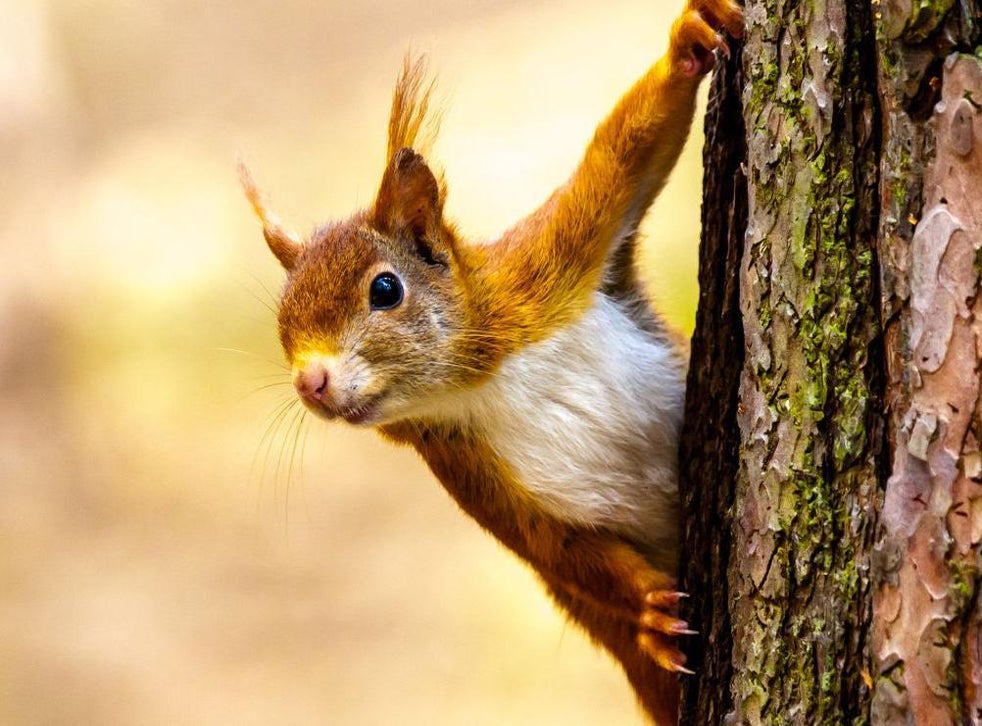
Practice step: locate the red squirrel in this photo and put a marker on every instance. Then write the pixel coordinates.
(530, 372)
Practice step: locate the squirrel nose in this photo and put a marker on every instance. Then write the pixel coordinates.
(312, 382)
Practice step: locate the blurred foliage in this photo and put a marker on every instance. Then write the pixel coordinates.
(170, 550)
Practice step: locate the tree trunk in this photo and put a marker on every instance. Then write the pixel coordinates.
(830, 457)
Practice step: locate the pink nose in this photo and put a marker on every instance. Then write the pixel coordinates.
(311, 383)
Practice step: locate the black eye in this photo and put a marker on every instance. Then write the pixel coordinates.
(385, 292)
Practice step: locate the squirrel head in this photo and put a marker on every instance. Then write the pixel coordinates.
(373, 308)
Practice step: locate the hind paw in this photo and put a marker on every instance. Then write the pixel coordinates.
(659, 628)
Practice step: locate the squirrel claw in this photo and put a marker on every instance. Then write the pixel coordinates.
(722, 15)
(664, 598)
(659, 613)
(698, 34)
(682, 628)
(664, 654)
(722, 47)
(662, 623)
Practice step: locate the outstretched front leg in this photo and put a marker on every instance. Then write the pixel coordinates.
(568, 241)
(638, 144)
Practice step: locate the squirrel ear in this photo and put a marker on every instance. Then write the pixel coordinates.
(283, 243)
(409, 198)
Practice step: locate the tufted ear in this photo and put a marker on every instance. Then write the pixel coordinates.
(409, 201)
(283, 243)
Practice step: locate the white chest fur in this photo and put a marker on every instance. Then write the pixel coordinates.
(588, 420)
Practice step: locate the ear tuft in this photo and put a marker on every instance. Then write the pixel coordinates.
(413, 121)
(283, 243)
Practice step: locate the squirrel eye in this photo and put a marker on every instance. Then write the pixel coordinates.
(385, 292)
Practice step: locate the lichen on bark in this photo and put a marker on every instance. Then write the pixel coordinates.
(807, 483)
(835, 536)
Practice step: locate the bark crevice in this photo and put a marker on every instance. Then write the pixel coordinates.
(710, 442)
(831, 476)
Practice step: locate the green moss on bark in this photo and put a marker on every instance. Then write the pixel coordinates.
(812, 303)
(925, 17)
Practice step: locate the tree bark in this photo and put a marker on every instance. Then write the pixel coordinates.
(710, 444)
(830, 456)
(926, 611)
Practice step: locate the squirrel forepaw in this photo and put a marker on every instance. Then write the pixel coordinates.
(697, 37)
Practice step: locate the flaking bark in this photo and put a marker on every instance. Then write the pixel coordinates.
(803, 513)
(927, 642)
(830, 458)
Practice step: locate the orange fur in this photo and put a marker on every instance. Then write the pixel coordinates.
(599, 579)
(467, 310)
(412, 123)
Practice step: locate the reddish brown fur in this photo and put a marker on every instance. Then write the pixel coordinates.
(598, 578)
(467, 307)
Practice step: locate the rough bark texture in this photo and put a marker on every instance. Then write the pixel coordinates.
(709, 451)
(927, 638)
(831, 471)
(804, 513)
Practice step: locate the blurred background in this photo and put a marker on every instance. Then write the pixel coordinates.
(172, 549)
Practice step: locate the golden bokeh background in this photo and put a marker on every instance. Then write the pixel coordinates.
(170, 551)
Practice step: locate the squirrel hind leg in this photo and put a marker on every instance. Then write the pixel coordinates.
(655, 679)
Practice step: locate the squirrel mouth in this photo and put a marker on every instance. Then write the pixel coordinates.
(364, 413)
